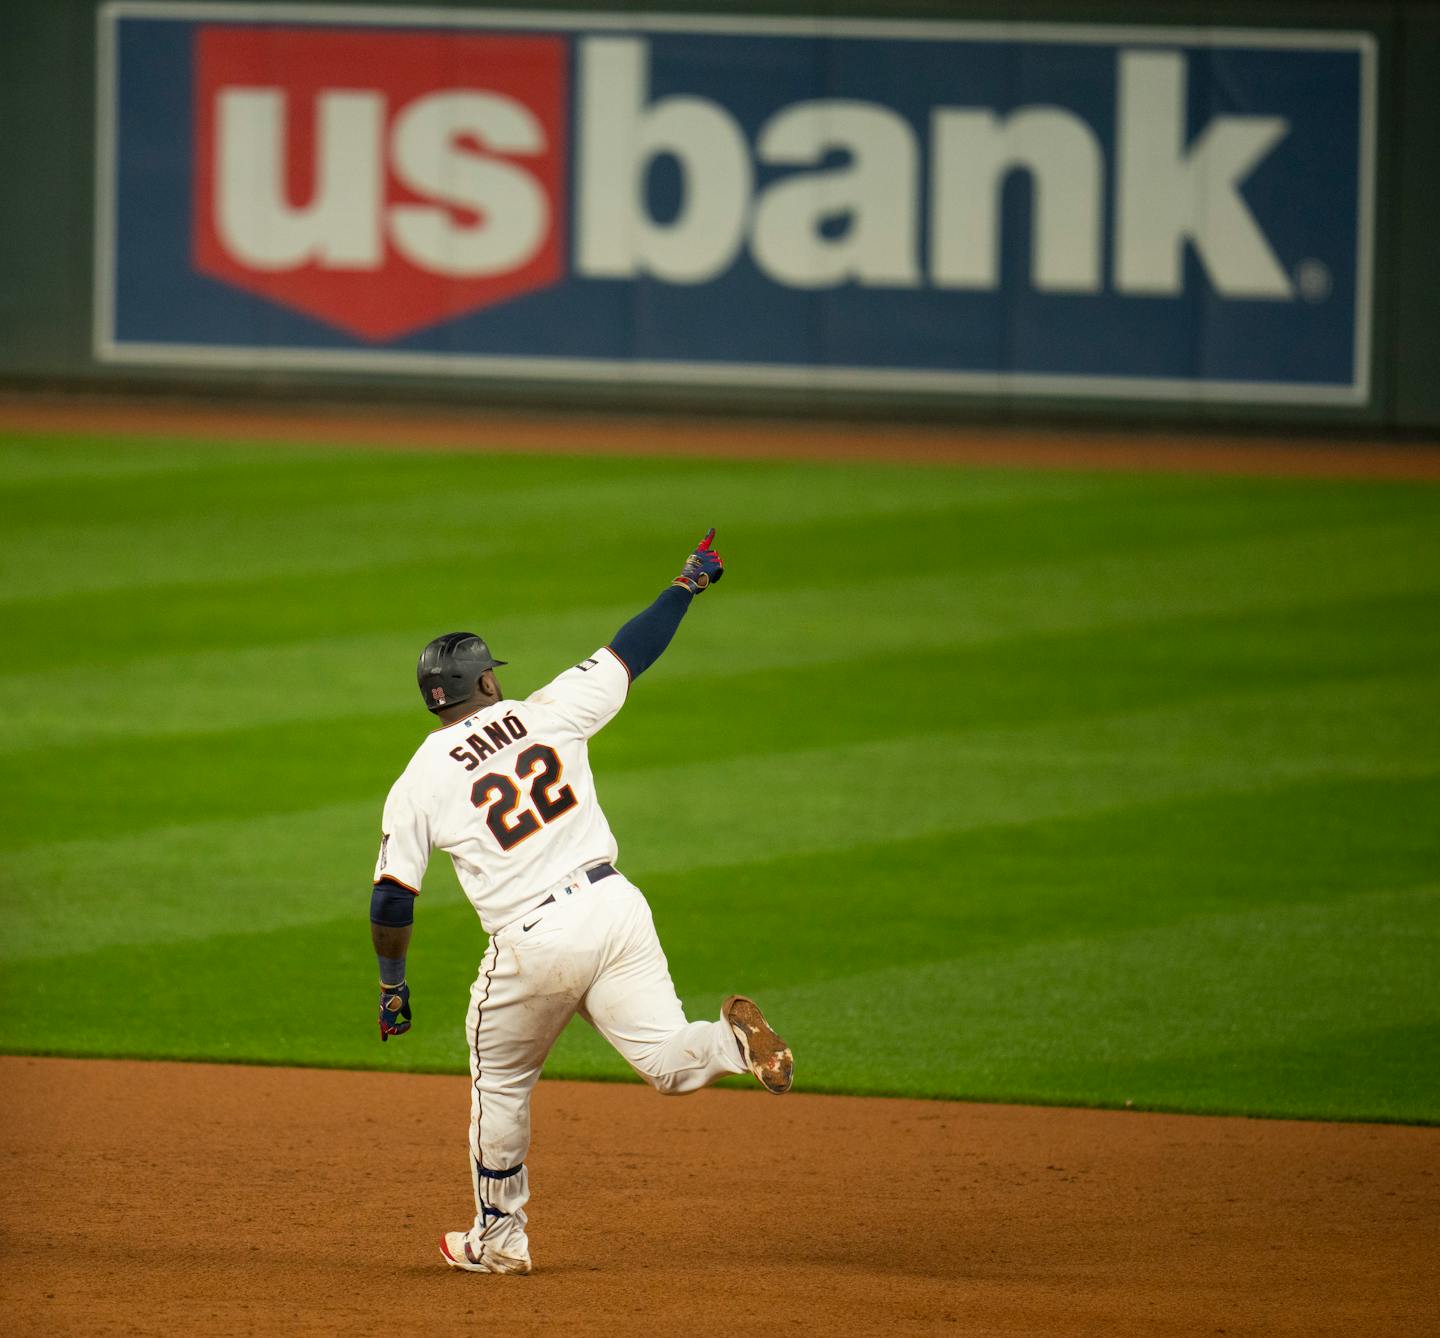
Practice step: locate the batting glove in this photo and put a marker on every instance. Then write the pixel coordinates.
(703, 567)
(394, 1010)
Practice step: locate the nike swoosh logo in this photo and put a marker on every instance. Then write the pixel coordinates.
(525, 929)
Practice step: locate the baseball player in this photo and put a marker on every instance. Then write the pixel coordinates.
(504, 788)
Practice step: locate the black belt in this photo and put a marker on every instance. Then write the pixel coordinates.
(594, 874)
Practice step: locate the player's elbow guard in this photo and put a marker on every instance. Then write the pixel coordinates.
(391, 904)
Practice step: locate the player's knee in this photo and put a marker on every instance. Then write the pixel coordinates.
(652, 1067)
(667, 1084)
(672, 1067)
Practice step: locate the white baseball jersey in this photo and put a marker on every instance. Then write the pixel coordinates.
(507, 793)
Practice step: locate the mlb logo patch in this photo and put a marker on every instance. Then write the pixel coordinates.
(379, 181)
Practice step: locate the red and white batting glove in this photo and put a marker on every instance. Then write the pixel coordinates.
(394, 1010)
(703, 567)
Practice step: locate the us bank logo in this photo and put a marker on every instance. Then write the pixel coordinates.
(915, 208)
(375, 181)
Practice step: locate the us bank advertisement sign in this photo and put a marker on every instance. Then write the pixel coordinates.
(1060, 209)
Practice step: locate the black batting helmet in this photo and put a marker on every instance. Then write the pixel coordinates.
(450, 666)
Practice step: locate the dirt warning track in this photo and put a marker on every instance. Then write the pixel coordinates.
(188, 1198)
(433, 429)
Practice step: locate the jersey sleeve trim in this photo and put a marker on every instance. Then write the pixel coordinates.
(620, 660)
(390, 878)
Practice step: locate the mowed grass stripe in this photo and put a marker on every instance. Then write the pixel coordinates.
(187, 615)
(33, 464)
(1156, 1015)
(510, 546)
(852, 795)
(343, 513)
(970, 519)
(882, 621)
(336, 517)
(1185, 1016)
(1145, 864)
(1062, 883)
(185, 883)
(982, 725)
(988, 888)
(1033, 678)
(1010, 683)
(448, 487)
(510, 486)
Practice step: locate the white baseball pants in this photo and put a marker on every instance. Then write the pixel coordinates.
(593, 951)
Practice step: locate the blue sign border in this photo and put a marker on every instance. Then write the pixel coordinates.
(436, 362)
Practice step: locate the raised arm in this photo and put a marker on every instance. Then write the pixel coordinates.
(643, 639)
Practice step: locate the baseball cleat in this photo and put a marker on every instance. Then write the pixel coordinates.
(765, 1054)
(456, 1250)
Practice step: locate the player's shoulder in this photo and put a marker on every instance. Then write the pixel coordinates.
(604, 669)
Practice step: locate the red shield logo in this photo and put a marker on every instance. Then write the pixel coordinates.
(378, 181)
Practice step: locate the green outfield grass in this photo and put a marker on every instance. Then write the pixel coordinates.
(1053, 787)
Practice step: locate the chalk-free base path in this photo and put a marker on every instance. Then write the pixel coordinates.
(200, 1199)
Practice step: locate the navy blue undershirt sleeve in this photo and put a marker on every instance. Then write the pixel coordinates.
(391, 904)
(643, 639)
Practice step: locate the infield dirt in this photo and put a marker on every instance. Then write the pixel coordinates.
(191, 1198)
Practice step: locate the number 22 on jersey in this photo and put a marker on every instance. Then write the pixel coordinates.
(509, 822)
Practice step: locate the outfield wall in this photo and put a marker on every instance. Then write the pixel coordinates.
(1215, 211)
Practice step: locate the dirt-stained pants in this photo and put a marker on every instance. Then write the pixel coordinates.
(592, 951)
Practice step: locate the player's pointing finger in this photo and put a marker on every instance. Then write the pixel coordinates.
(704, 545)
